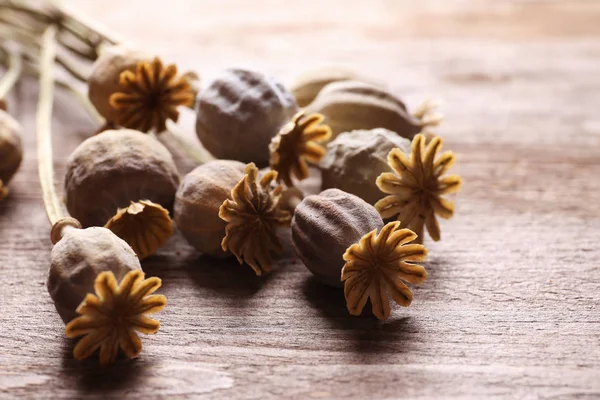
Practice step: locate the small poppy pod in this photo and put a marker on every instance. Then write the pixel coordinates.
(109, 171)
(325, 225)
(11, 149)
(197, 203)
(354, 160)
(352, 105)
(343, 241)
(240, 112)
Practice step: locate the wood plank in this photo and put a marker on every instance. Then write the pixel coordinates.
(511, 308)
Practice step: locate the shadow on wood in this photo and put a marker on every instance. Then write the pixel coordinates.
(91, 377)
(364, 334)
(225, 276)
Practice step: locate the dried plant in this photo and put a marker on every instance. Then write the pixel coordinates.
(377, 267)
(239, 113)
(427, 115)
(416, 187)
(111, 318)
(296, 143)
(150, 96)
(253, 215)
(145, 225)
(83, 260)
(198, 200)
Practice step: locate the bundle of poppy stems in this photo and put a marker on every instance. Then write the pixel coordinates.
(383, 180)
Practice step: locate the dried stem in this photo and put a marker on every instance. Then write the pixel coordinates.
(15, 68)
(87, 53)
(197, 153)
(85, 23)
(52, 203)
(74, 70)
(28, 22)
(31, 46)
(85, 102)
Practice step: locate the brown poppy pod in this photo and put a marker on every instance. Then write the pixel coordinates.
(110, 170)
(352, 105)
(11, 149)
(197, 203)
(104, 78)
(354, 160)
(240, 112)
(325, 225)
(78, 258)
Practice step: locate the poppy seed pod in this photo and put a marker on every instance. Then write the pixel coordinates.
(11, 149)
(197, 203)
(354, 160)
(104, 78)
(110, 170)
(307, 86)
(240, 112)
(78, 258)
(325, 225)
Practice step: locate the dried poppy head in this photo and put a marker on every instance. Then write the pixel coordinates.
(149, 96)
(240, 112)
(110, 319)
(77, 259)
(296, 143)
(105, 76)
(335, 235)
(308, 85)
(253, 215)
(377, 267)
(353, 105)
(325, 225)
(11, 149)
(93, 260)
(416, 187)
(197, 203)
(109, 171)
(144, 225)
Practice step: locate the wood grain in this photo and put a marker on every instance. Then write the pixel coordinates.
(511, 308)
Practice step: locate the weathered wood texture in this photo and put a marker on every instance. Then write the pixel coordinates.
(511, 308)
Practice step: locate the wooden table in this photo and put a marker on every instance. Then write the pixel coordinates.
(511, 307)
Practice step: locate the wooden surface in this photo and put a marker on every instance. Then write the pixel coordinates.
(511, 307)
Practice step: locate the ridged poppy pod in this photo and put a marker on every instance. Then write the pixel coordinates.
(325, 225)
(354, 160)
(103, 81)
(240, 112)
(77, 259)
(352, 105)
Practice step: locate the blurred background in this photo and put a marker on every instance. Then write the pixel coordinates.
(533, 55)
